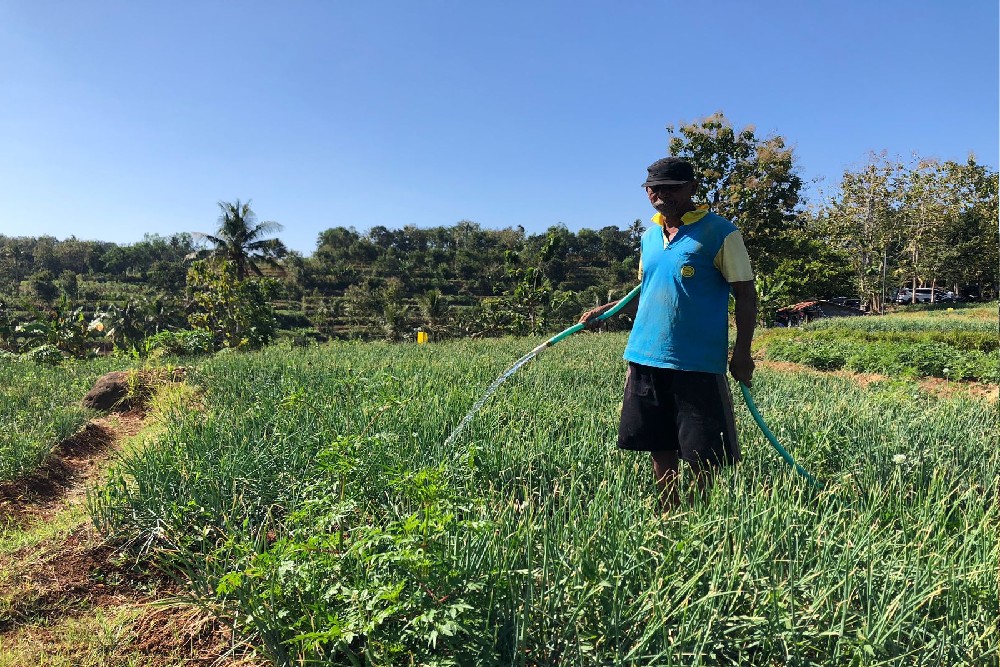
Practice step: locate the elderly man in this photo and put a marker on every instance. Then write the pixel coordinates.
(677, 404)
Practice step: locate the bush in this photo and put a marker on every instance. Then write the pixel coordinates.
(891, 357)
(300, 337)
(182, 343)
(45, 354)
(236, 312)
(292, 319)
(824, 356)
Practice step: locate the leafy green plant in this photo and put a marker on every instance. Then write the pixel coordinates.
(45, 354)
(236, 311)
(181, 343)
(945, 346)
(63, 328)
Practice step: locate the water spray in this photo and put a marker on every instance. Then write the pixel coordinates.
(611, 312)
(531, 355)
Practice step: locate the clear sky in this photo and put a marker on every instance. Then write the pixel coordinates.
(124, 118)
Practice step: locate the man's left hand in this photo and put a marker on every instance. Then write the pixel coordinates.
(741, 368)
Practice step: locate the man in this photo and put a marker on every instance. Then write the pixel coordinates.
(677, 403)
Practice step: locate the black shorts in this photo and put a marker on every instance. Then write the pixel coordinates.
(684, 411)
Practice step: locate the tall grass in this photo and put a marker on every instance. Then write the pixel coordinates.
(315, 503)
(39, 406)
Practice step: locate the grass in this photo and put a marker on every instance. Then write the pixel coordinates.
(15, 538)
(92, 641)
(314, 502)
(65, 599)
(39, 406)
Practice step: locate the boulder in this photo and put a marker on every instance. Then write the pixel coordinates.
(110, 392)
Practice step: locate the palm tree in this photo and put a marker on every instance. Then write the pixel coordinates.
(434, 308)
(240, 239)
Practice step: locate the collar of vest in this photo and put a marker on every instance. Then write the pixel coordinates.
(687, 218)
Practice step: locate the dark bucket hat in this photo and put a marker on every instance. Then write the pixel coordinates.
(669, 171)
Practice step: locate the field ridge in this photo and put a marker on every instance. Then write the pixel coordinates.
(67, 596)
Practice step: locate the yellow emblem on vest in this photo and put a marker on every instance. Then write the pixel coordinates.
(687, 271)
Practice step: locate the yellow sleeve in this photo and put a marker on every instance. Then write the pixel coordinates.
(732, 259)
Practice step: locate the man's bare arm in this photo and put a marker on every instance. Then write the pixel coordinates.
(629, 309)
(741, 365)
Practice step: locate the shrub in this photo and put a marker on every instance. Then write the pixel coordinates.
(45, 354)
(182, 343)
(236, 312)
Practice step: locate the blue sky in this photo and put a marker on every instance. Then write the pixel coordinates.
(124, 118)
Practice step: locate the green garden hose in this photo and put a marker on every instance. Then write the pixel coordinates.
(610, 312)
(748, 399)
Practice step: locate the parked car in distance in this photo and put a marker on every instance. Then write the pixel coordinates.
(924, 295)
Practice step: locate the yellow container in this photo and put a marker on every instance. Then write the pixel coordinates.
(421, 336)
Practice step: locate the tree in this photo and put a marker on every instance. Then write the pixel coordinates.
(970, 232)
(237, 312)
(433, 311)
(15, 253)
(751, 181)
(43, 285)
(240, 239)
(69, 283)
(862, 219)
(812, 267)
(922, 214)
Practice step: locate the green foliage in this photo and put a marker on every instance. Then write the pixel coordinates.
(951, 348)
(124, 326)
(40, 405)
(920, 221)
(386, 592)
(810, 267)
(236, 312)
(749, 180)
(315, 503)
(181, 343)
(44, 287)
(69, 284)
(771, 292)
(240, 240)
(63, 329)
(48, 355)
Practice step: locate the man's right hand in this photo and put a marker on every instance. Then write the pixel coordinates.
(589, 318)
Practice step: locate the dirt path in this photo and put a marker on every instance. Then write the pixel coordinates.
(69, 598)
(935, 386)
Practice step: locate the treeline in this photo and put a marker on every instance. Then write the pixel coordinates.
(889, 223)
(450, 280)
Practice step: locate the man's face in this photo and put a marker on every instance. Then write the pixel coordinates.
(671, 200)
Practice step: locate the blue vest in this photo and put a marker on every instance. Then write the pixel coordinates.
(683, 317)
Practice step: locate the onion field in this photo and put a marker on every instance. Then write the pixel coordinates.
(309, 496)
(39, 406)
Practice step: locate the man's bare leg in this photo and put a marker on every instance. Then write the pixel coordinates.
(665, 473)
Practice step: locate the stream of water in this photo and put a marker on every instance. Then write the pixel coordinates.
(492, 388)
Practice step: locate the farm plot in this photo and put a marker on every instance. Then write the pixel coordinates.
(955, 344)
(39, 406)
(314, 502)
